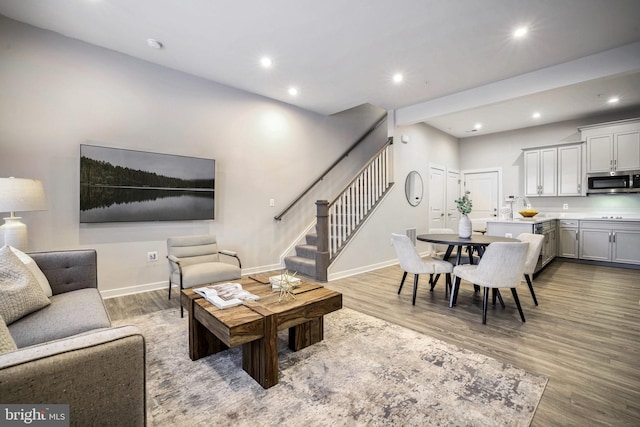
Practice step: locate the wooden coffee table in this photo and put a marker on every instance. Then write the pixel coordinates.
(255, 325)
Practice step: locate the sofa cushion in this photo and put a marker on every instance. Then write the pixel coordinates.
(35, 270)
(70, 313)
(20, 293)
(7, 343)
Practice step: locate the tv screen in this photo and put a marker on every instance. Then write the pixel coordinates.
(118, 185)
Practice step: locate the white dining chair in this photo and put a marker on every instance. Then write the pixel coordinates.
(411, 262)
(535, 247)
(501, 266)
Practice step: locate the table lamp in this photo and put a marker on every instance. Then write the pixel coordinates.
(16, 195)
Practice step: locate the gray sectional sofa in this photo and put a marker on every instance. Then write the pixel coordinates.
(69, 353)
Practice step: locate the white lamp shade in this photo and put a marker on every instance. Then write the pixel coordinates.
(21, 195)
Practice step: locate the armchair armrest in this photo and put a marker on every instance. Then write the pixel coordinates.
(80, 371)
(173, 258)
(231, 254)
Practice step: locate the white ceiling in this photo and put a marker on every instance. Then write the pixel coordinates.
(459, 61)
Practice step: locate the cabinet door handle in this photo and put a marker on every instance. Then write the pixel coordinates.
(615, 164)
(576, 234)
(614, 237)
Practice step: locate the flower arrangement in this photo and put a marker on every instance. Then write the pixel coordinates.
(464, 203)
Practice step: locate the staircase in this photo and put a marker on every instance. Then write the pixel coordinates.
(304, 261)
(338, 221)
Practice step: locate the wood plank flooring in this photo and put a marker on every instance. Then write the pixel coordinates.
(584, 335)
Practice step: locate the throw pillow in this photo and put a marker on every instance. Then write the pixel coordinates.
(7, 343)
(20, 293)
(35, 270)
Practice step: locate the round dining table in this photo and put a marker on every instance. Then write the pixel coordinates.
(477, 242)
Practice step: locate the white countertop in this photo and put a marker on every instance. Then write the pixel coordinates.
(542, 217)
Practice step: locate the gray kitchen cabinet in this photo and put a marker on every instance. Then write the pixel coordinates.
(540, 172)
(613, 147)
(550, 244)
(568, 238)
(610, 241)
(570, 176)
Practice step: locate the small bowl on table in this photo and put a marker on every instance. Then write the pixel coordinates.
(528, 213)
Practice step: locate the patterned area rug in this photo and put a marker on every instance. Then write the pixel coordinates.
(365, 372)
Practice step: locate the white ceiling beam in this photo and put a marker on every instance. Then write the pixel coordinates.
(612, 62)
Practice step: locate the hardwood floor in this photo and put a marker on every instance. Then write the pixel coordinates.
(584, 335)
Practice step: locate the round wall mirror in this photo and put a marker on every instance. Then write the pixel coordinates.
(413, 188)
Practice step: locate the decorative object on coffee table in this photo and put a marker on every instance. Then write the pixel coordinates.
(285, 283)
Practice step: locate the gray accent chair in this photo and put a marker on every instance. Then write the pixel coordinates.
(411, 262)
(535, 247)
(68, 353)
(501, 266)
(195, 261)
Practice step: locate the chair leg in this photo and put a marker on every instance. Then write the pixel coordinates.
(434, 282)
(447, 287)
(494, 294)
(169, 287)
(454, 292)
(533, 294)
(497, 291)
(515, 297)
(415, 287)
(485, 302)
(404, 276)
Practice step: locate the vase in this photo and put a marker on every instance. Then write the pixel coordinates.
(464, 227)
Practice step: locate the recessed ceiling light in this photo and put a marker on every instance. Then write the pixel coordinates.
(293, 91)
(154, 44)
(477, 126)
(266, 62)
(397, 78)
(613, 100)
(536, 115)
(520, 32)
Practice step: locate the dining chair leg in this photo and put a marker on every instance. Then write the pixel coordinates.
(533, 294)
(415, 287)
(454, 292)
(447, 287)
(434, 282)
(515, 297)
(404, 276)
(485, 302)
(494, 295)
(499, 298)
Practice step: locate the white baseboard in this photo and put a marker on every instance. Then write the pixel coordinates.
(148, 287)
(364, 269)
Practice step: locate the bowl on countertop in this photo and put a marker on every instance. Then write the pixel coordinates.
(528, 213)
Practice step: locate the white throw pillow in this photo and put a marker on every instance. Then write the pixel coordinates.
(20, 293)
(7, 343)
(33, 267)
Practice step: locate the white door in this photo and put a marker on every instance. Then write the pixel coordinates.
(485, 192)
(453, 193)
(436, 197)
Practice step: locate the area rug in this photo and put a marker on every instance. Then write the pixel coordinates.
(365, 372)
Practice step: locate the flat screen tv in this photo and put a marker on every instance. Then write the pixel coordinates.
(118, 185)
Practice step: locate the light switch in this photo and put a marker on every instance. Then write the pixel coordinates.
(272, 202)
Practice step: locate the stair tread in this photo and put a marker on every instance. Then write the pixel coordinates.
(301, 260)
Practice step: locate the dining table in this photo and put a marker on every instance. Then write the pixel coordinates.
(476, 242)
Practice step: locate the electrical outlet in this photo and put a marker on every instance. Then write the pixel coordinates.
(272, 202)
(509, 235)
(152, 256)
(565, 206)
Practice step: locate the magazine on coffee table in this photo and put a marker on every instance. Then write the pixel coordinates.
(226, 294)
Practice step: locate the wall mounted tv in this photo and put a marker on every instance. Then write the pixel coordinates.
(119, 185)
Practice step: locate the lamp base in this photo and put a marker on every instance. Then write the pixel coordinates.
(15, 233)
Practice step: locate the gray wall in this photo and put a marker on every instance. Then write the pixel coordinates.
(58, 93)
(505, 150)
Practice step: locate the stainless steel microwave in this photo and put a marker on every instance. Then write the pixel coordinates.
(602, 183)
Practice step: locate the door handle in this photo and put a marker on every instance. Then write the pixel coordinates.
(614, 237)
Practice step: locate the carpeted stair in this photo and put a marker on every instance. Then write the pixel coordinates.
(304, 261)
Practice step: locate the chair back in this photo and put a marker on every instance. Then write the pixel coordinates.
(535, 247)
(409, 258)
(193, 249)
(502, 264)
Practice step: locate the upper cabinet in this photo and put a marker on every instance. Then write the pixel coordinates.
(613, 147)
(553, 171)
